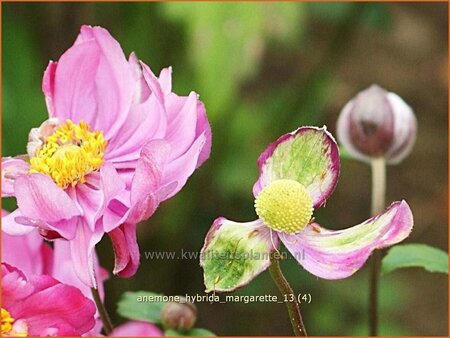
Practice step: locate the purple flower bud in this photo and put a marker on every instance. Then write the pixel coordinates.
(377, 123)
(179, 316)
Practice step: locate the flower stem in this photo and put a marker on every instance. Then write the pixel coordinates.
(286, 290)
(107, 325)
(378, 202)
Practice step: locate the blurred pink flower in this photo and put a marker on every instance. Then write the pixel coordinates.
(36, 305)
(137, 329)
(118, 142)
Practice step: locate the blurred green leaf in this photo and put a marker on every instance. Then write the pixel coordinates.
(415, 255)
(227, 41)
(130, 307)
(191, 333)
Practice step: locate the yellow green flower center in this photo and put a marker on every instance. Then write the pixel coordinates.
(284, 205)
(11, 330)
(69, 154)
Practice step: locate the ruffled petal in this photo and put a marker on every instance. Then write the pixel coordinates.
(44, 204)
(137, 329)
(126, 250)
(147, 181)
(93, 82)
(338, 254)
(235, 253)
(182, 120)
(308, 155)
(179, 170)
(11, 169)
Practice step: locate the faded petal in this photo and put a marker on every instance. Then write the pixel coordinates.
(137, 329)
(235, 253)
(338, 254)
(308, 155)
(11, 169)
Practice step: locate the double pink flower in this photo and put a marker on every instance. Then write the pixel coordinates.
(142, 143)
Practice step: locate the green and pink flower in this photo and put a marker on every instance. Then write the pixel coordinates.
(297, 174)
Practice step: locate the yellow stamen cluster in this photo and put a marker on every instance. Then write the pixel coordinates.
(284, 205)
(7, 322)
(69, 154)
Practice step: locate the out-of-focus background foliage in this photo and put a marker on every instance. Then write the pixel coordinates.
(263, 69)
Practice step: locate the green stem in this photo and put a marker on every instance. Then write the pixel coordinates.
(378, 202)
(107, 325)
(286, 290)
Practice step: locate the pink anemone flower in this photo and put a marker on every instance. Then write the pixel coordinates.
(32, 256)
(117, 143)
(297, 174)
(39, 305)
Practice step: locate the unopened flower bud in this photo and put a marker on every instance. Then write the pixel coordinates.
(179, 316)
(375, 124)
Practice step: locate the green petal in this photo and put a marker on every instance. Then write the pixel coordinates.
(235, 253)
(308, 155)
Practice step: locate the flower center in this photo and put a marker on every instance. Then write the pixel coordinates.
(284, 205)
(69, 154)
(11, 329)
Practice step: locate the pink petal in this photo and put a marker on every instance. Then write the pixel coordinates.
(15, 286)
(182, 119)
(137, 329)
(126, 250)
(40, 200)
(111, 186)
(29, 253)
(48, 86)
(94, 82)
(11, 169)
(63, 269)
(165, 79)
(147, 180)
(54, 305)
(308, 155)
(146, 121)
(338, 254)
(203, 127)
(179, 170)
(11, 227)
(83, 253)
